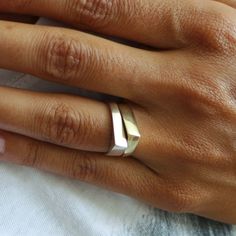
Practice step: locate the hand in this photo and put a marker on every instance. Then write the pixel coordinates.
(183, 97)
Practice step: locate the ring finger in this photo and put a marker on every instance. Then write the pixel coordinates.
(78, 59)
(65, 120)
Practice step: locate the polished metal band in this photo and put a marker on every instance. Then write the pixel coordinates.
(126, 135)
(120, 143)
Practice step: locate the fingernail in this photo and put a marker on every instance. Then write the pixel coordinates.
(2, 145)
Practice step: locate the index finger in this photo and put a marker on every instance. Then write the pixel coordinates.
(163, 24)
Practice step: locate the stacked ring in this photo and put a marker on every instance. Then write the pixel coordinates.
(120, 143)
(126, 135)
(131, 129)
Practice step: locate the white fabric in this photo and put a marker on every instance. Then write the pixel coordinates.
(34, 203)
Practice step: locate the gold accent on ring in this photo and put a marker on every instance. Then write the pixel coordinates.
(132, 132)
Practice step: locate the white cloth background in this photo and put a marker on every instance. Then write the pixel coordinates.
(33, 202)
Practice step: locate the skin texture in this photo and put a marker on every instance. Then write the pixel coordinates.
(183, 97)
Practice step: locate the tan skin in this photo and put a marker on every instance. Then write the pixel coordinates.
(183, 97)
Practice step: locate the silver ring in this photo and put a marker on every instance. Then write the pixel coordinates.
(120, 143)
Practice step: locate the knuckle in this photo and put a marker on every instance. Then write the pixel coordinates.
(64, 59)
(84, 167)
(204, 100)
(198, 150)
(93, 13)
(180, 201)
(204, 96)
(211, 101)
(212, 29)
(221, 35)
(61, 124)
(33, 154)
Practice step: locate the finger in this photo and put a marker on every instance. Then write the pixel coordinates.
(124, 175)
(129, 19)
(158, 23)
(70, 121)
(231, 3)
(77, 59)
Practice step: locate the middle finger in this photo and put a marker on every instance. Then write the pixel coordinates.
(79, 59)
